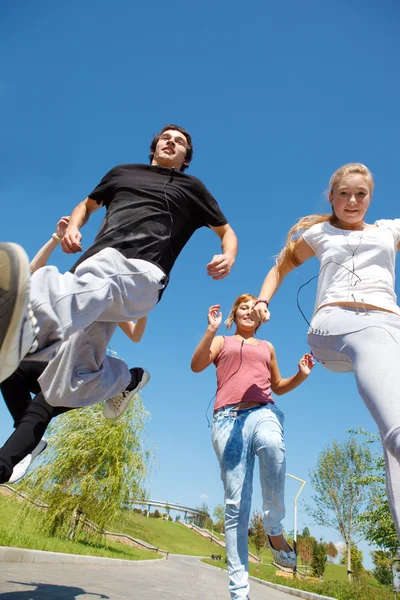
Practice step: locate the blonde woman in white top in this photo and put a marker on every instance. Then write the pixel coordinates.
(356, 321)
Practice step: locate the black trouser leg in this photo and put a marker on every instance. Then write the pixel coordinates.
(27, 434)
(31, 416)
(17, 388)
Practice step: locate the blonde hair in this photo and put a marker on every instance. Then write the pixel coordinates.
(239, 300)
(306, 222)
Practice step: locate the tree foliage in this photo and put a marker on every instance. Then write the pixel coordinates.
(258, 536)
(306, 532)
(92, 468)
(376, 521)
(339, 496)
(331, 550)
(382, 560)
(319, 558)
(204, 520)
(305, 546)
(219, 516)
(356, 561)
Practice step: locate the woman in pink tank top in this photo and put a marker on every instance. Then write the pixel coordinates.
(247, 423)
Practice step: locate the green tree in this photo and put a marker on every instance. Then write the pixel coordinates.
(258, 536)
(382, 560)
(306, 533)
(92, 469)
(339, 497)
(319, 558)
(202, 520)
(219, 516)
(376, 521)
(356, 561)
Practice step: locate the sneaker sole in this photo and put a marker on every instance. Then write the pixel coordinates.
(14, 298)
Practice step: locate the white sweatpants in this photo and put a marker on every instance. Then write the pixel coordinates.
(77, 316)
(368, 343)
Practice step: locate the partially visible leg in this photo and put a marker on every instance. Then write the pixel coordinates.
(393, 487)
(81, 373)
(27, 435)
(270, 448)
(105, 287)
(232, 444)
(17, 388)
(375, 353)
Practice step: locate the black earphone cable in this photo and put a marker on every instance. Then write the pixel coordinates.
(164, 191)
(316, 276)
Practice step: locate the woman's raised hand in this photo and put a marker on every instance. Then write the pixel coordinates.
(62, 227)
(306, 363)
(260, 313)
(214, 317)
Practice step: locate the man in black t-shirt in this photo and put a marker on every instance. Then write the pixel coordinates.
(151, 213)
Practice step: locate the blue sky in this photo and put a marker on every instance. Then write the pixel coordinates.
(276, 97)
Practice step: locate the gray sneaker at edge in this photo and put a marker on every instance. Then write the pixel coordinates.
(117, 405)
(18, 326)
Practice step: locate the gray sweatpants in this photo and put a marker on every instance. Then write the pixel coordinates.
(368, 343)
(77, 316)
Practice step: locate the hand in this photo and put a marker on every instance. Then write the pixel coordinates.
(260, 313)
(214, 317)
(71, 240)
(62, 226)
(306, 363)
(220, 266)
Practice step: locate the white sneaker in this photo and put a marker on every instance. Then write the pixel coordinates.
(116, 406)
(18, 326)
(21, 468)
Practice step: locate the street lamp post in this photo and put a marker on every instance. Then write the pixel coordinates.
(303, 483)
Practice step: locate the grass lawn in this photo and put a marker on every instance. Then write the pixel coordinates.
(166, 535)
(27, 534)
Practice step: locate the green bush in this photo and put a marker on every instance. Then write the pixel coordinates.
(319, 559)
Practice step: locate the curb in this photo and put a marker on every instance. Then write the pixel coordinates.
(282, 588)
(23, 555)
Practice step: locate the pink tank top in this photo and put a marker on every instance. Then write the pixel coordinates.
(249, 383)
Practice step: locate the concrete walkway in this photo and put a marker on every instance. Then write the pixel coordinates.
(178, 578)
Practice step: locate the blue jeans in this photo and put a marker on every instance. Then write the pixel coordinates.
(237, 436)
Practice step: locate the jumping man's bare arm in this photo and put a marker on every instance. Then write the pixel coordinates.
(71, 242)
(221, 264)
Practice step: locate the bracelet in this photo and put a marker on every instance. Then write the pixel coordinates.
(261, 300)
(56, 238)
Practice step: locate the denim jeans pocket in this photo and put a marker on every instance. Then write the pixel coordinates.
(278, 412)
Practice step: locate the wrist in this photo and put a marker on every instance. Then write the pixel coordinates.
(212, 329)
(262, 300)
(230, 258)
(302, 375)
(56, 238)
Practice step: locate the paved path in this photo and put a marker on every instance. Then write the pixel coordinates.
(178, 578)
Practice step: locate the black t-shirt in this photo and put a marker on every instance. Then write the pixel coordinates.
(152, 212)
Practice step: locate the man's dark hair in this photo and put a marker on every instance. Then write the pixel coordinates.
(189, 151)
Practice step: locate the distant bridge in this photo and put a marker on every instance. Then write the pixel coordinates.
(188, 513)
